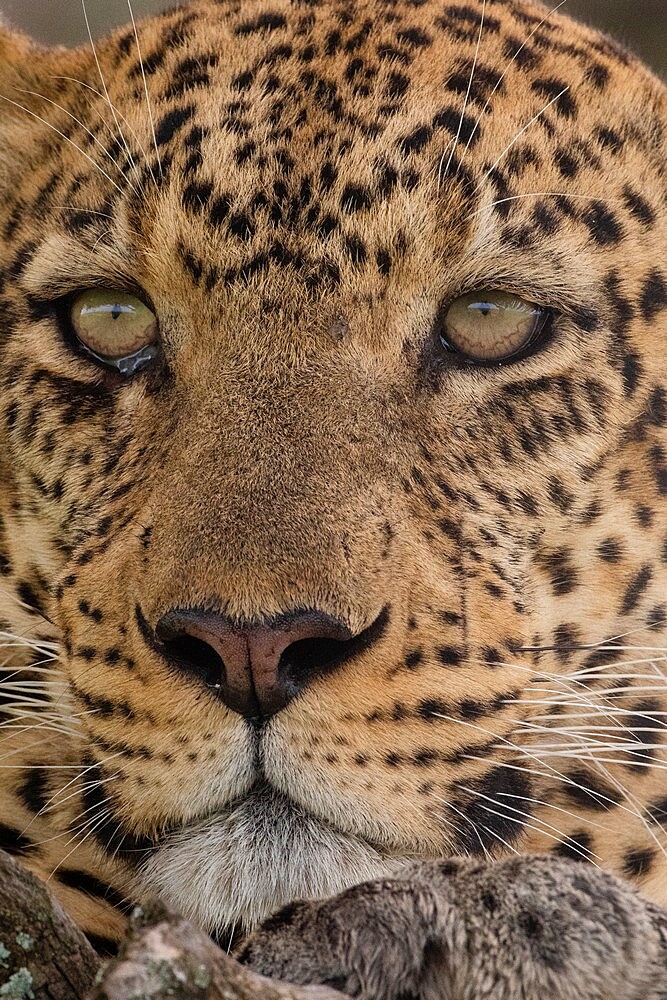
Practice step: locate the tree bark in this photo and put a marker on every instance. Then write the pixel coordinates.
(43, 955)
(167, 957)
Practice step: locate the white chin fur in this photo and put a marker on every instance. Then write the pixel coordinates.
(232, 871)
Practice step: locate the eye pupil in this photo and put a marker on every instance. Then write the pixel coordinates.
(116, 311)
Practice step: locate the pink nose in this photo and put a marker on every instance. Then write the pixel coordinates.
(255, 669)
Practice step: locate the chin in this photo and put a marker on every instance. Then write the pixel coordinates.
(231, 871)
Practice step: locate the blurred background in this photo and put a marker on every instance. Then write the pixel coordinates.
(640, 24)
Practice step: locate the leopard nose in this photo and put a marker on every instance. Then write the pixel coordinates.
(257, 670)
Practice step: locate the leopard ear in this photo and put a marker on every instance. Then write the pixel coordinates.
(16, 52)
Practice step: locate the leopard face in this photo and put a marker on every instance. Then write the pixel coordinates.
(329, 592)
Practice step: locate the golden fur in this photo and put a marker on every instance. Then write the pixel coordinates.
(303, 190)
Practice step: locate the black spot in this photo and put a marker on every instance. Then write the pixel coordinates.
(450, 656)
(245, 152)
(33, 790)
(220, 209)
(516, 51)
(269, 21)
(465, 22)
(355, 198)
(638, 206)
(464, 126)
(383, 259)
(638, 862)
(563, 575)
(610, 550)
(168, 126)
(488, 821)
(243, 81)
(578, 847)
(602, 224)
(12, 841)
(598, 75)
(567, 164)
(396, 86)
(587, 790)
(431, 708)
(196, 195)
(636, 588)
(657, 407)
(416, 140)
(559, 93)
(654, 296)
(84, 882)
(28, 595)
(413, 659)
(470, 709)
(609, 139)
(413, 37)
(241, 225)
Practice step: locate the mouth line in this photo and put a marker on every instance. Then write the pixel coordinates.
(136, 849)
(262, 790)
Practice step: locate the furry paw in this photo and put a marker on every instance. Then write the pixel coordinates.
(529, 928)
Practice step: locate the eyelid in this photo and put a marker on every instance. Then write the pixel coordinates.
(55, 301)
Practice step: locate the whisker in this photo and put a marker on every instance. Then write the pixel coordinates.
(507, 69)
(66, 138)
(471, 823)
(77, 777)
(143, 75)
(551, 805)
(465, 102)
(573, 846)
(105, 151)
(561, 835)
(518, 136)
(100, 821)
(104, 85)
(121, 116)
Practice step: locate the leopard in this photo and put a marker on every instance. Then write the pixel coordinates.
(333, 520)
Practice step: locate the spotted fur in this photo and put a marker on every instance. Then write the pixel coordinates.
(299, 189)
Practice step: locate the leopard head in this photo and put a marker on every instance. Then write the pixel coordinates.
(332, 414)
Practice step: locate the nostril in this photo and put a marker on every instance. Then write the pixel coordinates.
(195, 656)
(317, 656)
(313, 656)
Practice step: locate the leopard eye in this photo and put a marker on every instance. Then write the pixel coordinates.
(115, 328)
(490, 326)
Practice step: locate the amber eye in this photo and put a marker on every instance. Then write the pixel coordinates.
(116, 328)
(490, 326)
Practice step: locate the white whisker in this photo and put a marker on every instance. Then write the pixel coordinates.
(104, 85)
(518, 136)
(66, 138)
(143, 75)
(465, 102)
